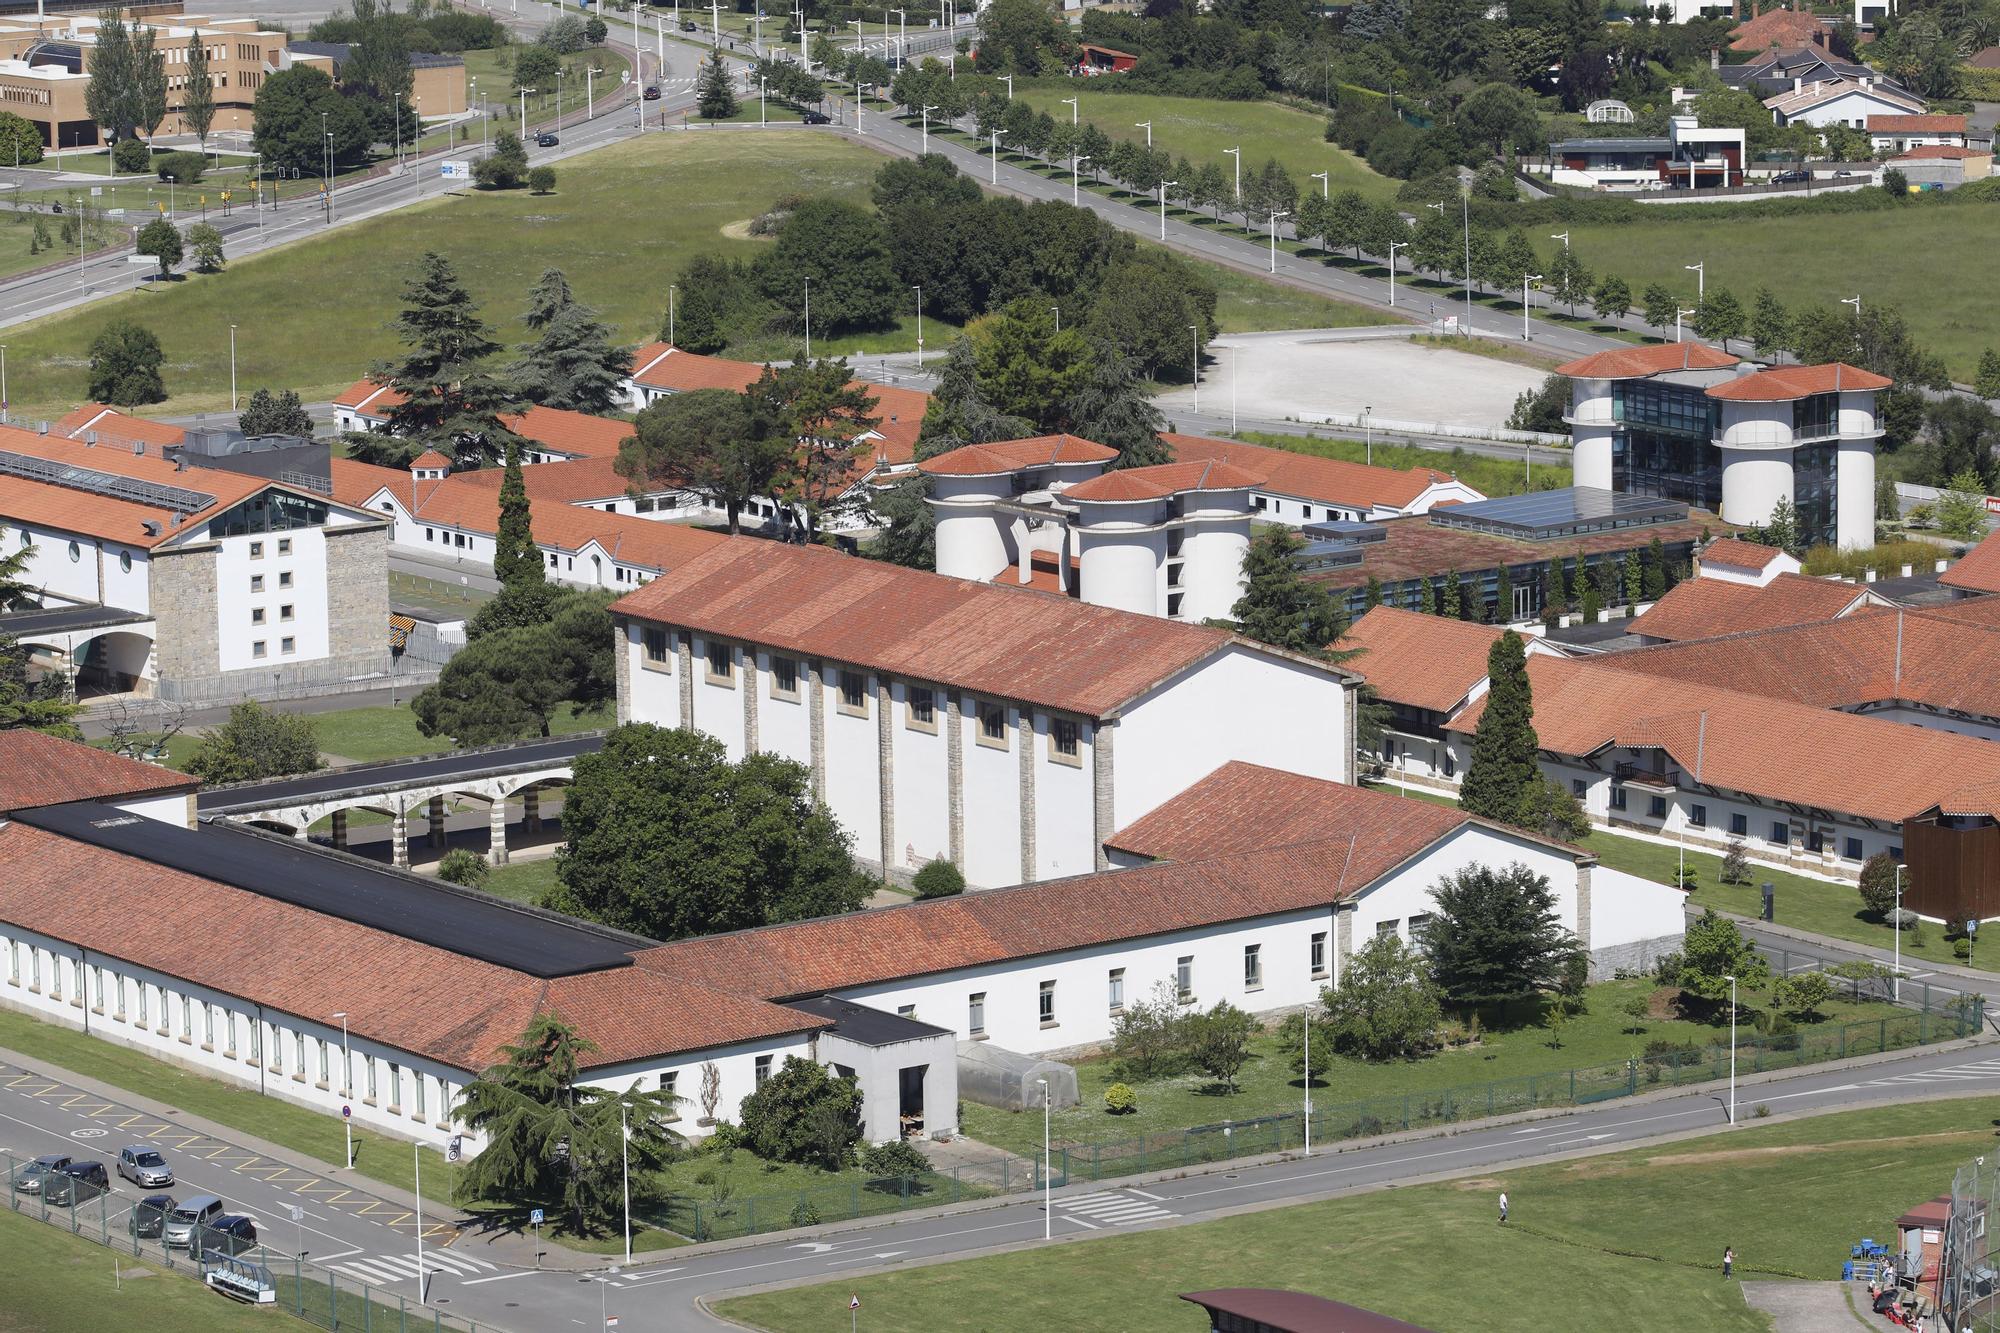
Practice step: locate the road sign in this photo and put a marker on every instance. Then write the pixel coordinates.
(854, 1303)
(455, 1149)
(96, 190)
(298, 1214)
(534, 1217)
(346, 1112)
(455, 171)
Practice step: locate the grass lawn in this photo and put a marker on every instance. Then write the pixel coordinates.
(1246, 303)
(1952, 319)
(1492, 476)
(494, 68)
(1434, 1255)
(382, 732)
(280, 1122)
(1199, 129)
(522, 881)
(59, 1283)
(436, 594)
(745, 1194)
(1267, 1086)
(17, 234)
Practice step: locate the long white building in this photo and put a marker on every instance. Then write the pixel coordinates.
(1007, 731)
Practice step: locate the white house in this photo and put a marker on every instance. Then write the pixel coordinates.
(1733, 561)
(1899, 134)
(1849, 102)
(1009, 732)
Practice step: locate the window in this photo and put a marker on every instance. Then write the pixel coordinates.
(1698, 815)
(721, 664)
(1578, 788)
(1116, 995)
(120, 992)
(75, 553)
(1418, 922)
(653, 642)
(284, 546)
(256, 550)
(395, 1086)
(975, 1014)
(1815, 842)
(277, 1050)
(1184, 976)
(1895, 852)
(208, 1024)
(1450, 762)
(763, 1069)
(322, 1063)
(1319, 953)
(285, 612)
(1387, 927)
(256, 583)
(256, 615)
(920, 708)
(143, 990)
(1781, 833)
(1048, 1004)
(1851, 850)
(125, 562)
(422, 1079)
(1739, 825)
(34, 968)
(785, 678)
(368, 1065)
(14, 962)
(284, 578)
(288, 645)
(260, 648)
(670, 1091)
(97, 973)
(256, 1038)
(854, 693)
(993, 725)
(1656, 807)
(1065, 745)
(1617, 796)
(1253, 967)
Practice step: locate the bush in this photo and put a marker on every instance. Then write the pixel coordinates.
(1152, 1038)
(1800, 995)
(180, 168)
(1119, 1099)
(1667, 968)
(804, 1214)
(939, 879)
(1961, 948)
(804, 1113)
(19, 140)
(1663, 1052)
(464, 868)
(541, 180)
(899, 1159)
(1735, 865)
(1780, 1033)
(131, 156)
(1878, 885)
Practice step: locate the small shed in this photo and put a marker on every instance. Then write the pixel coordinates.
(1104, 60)
(1268, 1310)
(905, 1069)
(995, 1076)
(1920, 1239)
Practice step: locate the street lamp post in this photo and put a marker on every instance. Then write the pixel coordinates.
(1307, 1118)
(1368, 434)
(761, 121)
(625, 1165)
(1526, 278)
(1325, 179)
(920, 324)
(590, 73)
(671, 289)
(927, 127)
(996, 155)
(1732, 1049)
(1394, 246)
(902, 37)
(524, 111)
(809, 319)
(1048, 1180)
(1700, 272)
(1237, 153)
(346, 1086)
(1163, 207)
(1855, 301)
(232, 369)
(1076, 176)
(1071, 101)
(1678, 314)
(1274, 239)
(3, 384)
(1056, 310)
(1008, 79)
(1147, 126)
(1897, 982)
(1194, 331)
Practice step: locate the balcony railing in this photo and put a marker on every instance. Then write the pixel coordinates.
(1636, 775)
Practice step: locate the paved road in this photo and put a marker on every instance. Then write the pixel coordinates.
(366, 1231)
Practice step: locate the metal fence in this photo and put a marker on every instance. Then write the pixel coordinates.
(840, 1201)
(301, 680)
(233, 1260)
(1963, 1287)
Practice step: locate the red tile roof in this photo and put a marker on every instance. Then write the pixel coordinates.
(576, 433)
(67, 509)
(1708, 608)
(1978, 570)
(902, 416)
(1760, 746)
(992, 641)
(663, 366)
(1626, 363)
(987, 460)
(1734, 554)
(1157, 483)
(1788, 382)
(1779, 28)
(1310, 477)
(1916, 124)
(1417, 660)
(371, 396)
(1942, 151)
(38, 770)
(108, 424)
(429, 460)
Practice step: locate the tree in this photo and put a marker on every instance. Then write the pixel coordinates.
(810, 413)
(1712, 951)
(1735, 865)
(535, 68)
(1961, 507)
(1500, 118)
(507, 684)
(467, 869)
(276, 414)
(1770, 324)
(804, 1113)
(1386, 1006)
(1634, 579)
(1719, 316)
(1151, 1038)
(541, 180)
(844, 251)
(516, 558)
(506, 167)
(1112, 407)
(1878, 885)
(1504, 770)
(1026, 368)
(549, 1136)
(1221, 1043)
(1987, 385)
(1659, 307)
(125, 360)
(574, 363)
(450, 403)
(1496, 938)
(198, 91)
(1653, 571)
(206, 242)
(257, 743)
(111, 95)
(669, 839)
(1569, 279)
(1309, 1060)
(1450, 604)
(938, 879)
(703, 440)
(20, 141)
(162, 240)
(1613, 298)
(1783, 529)
(1800, 995)
(715, 95)
(291, 107)
(1279, 605)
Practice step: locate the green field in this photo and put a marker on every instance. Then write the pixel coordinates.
(1902, 247)
(1790, 1198)
(1604, 1034)
(1490, 476)
(494, 68)
(58, 1283)
(522, 881)
(1200, 128)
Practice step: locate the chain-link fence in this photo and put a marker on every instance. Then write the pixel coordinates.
(195, 1236)
(1968, 1268)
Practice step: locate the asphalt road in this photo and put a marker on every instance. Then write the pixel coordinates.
(368, 1232)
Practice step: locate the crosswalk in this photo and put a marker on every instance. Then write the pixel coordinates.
(1966, 1073)
(1112, 1208)
(383, 1269)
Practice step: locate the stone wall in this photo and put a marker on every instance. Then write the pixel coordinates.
(183, 604)
(1634, 958)
(357, 593)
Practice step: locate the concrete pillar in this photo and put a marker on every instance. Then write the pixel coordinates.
(750, 692)
(621, 666)
(885, 769)
(954, 782)
(340, 830)
(437, 821)
(399, 839)
(1024, 736)
(1343, 939)
(301, 831)
(496, 837)
(531, 809)
(1104, 808)
(816, 726)
(1583, 907)
(686, 654)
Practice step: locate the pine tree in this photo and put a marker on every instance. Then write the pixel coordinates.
(1635, 579)
(1720, 316)
(198, 97)
(149, 80)
(516, 558)
(1783, 529)
(1112, 407)
(1654, 576)
(109, 94)
(276, 414)
(1555, 588)
(1372, 598)
(1770, 325)
(1504, 773)
(1988, 383)
(1448, 605)
(451, 402)
(713, 92)
(1658, 306)
(574, 365)
(1280, 606)
(1426, 597)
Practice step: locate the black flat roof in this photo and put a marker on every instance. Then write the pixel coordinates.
(864, 1026)
(58, 619)
(398, 773)
(441, 915)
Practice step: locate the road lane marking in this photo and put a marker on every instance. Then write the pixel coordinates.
(505, 1277)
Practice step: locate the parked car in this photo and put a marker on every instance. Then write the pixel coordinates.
(652, 92)
(148, 1220)
(689, 25)
(817, 118)
(190, 1217)
(1791, 178)
(79, 1182)
(36, 1173)
(230, 1234)
(144, 1167)
(546, 141)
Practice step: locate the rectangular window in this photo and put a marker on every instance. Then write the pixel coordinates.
(1617, 796)
(1184, 976)
(322, 1063)
(993, 725)
(920, 708)
(284, 546)
(1419, 922)
(284, 578)
(1065, 744)
(785, 678)
(1048, 1004)
(1253, 967)
(906, 1011)
(256, 1039)
(395, 1087)
(1698, 815)
(285, 612)
(1895, 853)
(1319, 953)
(256, 615)
(854, 693)
(763, 1069)
(14, 962)
(34, 968)
(208, 1024)
(277, 1049)
(143, 988)
(422, 1079)
(256, 583)
(288, 645)
(368, 1067)
(1656, 807)
(1387, 927)
(721, 664)
(97, 973)
(1852, 852)
(655, 652)
(256, 550)
(1739, 825)
(1578, 788)
(975, 1013)
(260, 648)
(1781, 833)
(1116, 990)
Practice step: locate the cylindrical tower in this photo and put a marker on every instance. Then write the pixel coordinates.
(971, 540)
(1592, 432)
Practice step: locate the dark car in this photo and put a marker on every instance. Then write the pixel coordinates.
(149, 1216)
(817, 118)
(76, 1183)
(652, 92)
(230, 1234)
(1791, 178)
(36, 1173)
(546, 141)
(689, 25)
(144, 1167)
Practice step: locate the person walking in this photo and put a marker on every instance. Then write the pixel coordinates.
(1503, 1206)
(1728, 1261)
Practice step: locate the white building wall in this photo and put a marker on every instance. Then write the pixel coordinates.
(1592, 429)
(1065, 819)
(736, 1064)
(178, 809)
(992, 784)
(1387, 907)
(81, 578)
(237, 598)
(1212, 568)
(971, 538)
(921, 777)
(718, 700)
(853, 760)
(1854, 494)
(1753, 481)
(783, 725)
(1985, 728)
(1120, 563)
(1625, 909)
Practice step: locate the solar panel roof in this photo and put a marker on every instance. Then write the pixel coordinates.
(1561, 512)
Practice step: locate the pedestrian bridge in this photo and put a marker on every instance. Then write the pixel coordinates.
(499, 776)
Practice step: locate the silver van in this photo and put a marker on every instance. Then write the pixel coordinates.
(189, 1214)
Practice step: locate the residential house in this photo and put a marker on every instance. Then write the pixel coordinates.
(1899, 134)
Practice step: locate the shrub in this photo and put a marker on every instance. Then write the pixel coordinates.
(1800, 995)
(899, 1158)
(1760, 1112)
(804, 1214)
(1119, 1099)
(1735, 865)
(939, 879)
(1878, 885)
(1667, 968)
(541, 180)
(1961, 948)
(1663, 1052)
(131, 156)
(804, 1113)
(1152, 1038)
(463, 867)
(181, 168)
